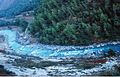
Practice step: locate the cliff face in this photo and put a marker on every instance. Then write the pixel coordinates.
(4, 4)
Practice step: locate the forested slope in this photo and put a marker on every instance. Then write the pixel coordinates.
(16, 7)
(76, 22)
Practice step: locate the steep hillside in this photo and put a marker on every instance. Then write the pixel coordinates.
(10, 8)
(76, 22)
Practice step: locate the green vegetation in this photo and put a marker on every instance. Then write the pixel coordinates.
(17, 22)
(21, 23)
(18, 7)
(111, 53)
(3, 23)
(76, 22)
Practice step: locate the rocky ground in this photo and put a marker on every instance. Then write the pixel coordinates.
(28, 65)
(4, 72)
(25, 64)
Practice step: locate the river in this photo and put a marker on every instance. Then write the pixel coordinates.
(46, 51)
(51, 53)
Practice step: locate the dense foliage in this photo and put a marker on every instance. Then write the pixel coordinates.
(16, 22)
(76, 22)
(3, 23)
(18, 7)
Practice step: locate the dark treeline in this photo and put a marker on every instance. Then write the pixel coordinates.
(76, 22)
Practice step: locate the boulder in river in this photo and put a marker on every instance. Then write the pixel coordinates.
(4, 72)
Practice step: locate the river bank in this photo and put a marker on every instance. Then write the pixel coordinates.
(53, 51)
(4, 72)
(51, 60)
(19, 65)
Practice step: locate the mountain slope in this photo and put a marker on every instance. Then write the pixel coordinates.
(4, 4)
(10, 8)
(76, 22)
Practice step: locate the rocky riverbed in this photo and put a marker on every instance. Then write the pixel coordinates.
(28, 65)
(51, 60)
(49, 51)
(4, 72)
